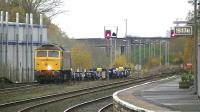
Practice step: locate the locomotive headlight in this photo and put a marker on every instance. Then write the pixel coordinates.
(49, 67)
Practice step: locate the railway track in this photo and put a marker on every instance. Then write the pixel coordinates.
(28, 104)
(107, 108)
(96, 105)
(32, 103)
(103, 104)
(21, 88)
(82, 93)
(13, 85)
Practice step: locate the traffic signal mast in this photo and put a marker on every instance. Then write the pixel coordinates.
(110, 32)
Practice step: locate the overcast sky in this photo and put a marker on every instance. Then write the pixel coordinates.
(87, 18)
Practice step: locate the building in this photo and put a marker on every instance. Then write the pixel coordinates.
(17, 44)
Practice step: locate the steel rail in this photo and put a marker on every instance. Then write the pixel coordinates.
(103, 109)
(73, 108)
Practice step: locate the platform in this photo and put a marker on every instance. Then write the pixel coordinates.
(157, 96)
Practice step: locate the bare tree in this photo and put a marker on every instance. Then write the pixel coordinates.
(48, 7)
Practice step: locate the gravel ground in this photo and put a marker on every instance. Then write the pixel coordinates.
(62, 105)
(51, 89)
(109, 110)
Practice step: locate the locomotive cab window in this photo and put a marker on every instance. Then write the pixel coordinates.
(41, 53)
(53, 53)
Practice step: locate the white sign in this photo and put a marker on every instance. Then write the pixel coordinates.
(184, 30)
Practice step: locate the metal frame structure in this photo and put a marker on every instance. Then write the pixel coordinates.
(17, 42)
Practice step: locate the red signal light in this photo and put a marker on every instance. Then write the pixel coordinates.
(107, 34)
(173, 34)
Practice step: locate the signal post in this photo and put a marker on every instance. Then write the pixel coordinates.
(110, 33)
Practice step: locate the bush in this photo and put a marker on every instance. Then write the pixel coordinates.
(185, 77)
(191, 77)
(186, 80)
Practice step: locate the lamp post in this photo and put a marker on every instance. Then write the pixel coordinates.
(1, 41)
(196, 49)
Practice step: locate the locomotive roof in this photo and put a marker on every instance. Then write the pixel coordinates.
(50, 47)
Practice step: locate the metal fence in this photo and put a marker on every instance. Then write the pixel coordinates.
(17, 43)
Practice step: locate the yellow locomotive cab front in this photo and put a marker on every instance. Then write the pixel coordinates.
(49, 63)
(47, 60)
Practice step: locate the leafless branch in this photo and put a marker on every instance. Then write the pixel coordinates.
(48, 7)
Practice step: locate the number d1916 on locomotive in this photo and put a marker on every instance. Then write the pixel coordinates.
(52, 63)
